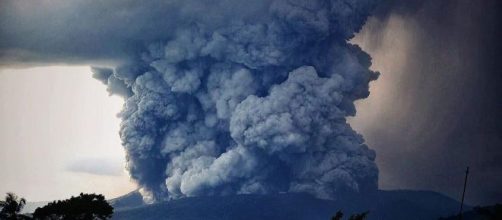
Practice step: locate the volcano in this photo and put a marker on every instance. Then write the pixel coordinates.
(388, 205)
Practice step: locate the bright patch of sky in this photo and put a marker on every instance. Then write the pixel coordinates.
(59, 134)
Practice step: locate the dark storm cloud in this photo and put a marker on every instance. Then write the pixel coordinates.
(99, 32)
(446, 108)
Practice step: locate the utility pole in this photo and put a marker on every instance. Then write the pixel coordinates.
(463, 194)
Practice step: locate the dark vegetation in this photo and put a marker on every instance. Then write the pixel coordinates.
(339, 216)
(480, 213)
(11, 207)
(82, 207)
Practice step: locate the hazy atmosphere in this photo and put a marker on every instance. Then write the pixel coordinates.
(59, 129)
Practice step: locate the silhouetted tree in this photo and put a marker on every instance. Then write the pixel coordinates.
(360, 216)
(339, 216)
(82, 207)
(480, 213)
(12, 207)
(492, 213)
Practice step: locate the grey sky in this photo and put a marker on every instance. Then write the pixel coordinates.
(52, 118)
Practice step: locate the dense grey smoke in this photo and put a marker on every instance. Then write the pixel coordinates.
(249, 105)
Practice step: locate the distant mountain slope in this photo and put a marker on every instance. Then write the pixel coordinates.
(388, 205)
(129, 200)
(31, 206)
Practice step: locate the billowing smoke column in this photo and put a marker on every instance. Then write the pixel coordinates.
(249, 105)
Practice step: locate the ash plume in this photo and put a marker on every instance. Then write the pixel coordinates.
(249, 106)
(221, 97)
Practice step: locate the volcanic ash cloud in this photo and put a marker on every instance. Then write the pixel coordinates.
(240, 105)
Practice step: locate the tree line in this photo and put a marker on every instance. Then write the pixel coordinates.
(82, 207)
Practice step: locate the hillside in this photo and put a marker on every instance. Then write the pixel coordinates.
(389, 205)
